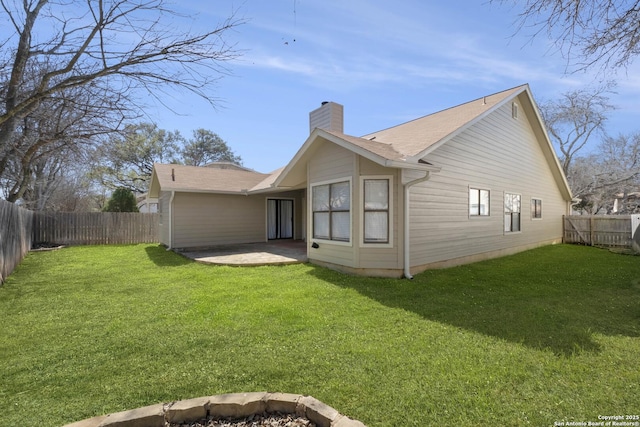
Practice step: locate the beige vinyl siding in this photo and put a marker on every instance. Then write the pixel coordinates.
(214, 219)
(164, 211)
(371, 255)
(332, 163)
(499, 154)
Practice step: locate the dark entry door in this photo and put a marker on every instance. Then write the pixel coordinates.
(280, 219)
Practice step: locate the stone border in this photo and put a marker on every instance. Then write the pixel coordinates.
(237, 405)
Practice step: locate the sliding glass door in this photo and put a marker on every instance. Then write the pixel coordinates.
(279, 219)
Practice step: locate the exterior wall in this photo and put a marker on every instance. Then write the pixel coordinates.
(201, 220)
(333, 163)
(165, 212)
(329, 163)
(499, 154)
(375, 256)
(214, 219)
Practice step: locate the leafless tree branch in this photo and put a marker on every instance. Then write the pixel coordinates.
(87, 64)
(590, 33)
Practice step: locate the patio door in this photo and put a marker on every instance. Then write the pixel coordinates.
(279, 219)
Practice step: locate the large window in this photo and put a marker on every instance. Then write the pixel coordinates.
(331, 205)
(376, 211)
(511, 212)
(536, 208)
(478, 202)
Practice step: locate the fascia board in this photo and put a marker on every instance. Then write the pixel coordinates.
(549, 146)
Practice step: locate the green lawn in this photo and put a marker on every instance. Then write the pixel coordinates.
(544, 336)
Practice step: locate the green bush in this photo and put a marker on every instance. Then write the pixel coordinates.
(122, 200)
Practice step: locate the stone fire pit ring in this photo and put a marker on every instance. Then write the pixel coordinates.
(224, 406)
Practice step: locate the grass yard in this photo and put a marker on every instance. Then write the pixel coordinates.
(544, 336)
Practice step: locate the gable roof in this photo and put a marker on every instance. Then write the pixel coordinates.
(202, 179)
(403, 146)
(415, 137)
(378, 152)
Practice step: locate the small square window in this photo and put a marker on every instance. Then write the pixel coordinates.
(536, 208)
(478, 202)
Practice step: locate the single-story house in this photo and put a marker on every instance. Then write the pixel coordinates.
(146, 204)
(475, 181)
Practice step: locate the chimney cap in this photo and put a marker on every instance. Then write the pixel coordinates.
(324, 102)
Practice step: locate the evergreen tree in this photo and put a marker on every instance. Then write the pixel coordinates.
(122, 200)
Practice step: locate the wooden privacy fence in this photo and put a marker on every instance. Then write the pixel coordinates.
(621, 231)
(15, 236)
(21, 228)
(95, 228)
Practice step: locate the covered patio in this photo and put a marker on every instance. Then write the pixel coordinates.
(275, 252)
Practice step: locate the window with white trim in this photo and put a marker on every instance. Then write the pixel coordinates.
(376, 210)
(536, 208)
(478, 202)
(331, 206)
(512, 208)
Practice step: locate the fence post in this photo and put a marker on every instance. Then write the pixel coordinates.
(16, 227)
(635, 233)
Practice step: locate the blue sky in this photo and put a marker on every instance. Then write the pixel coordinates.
(387, 62)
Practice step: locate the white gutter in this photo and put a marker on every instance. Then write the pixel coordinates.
(170, 245)
(407, 242)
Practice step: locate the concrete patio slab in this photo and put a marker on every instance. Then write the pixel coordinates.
(252, 254)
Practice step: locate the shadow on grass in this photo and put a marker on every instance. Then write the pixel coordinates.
(548, 299)
(161, 257)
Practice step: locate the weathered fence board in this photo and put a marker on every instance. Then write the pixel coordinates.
(15, 236)
(608, 231)
(95, 228)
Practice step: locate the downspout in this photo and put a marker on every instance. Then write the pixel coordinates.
(170, 246)
(407, 243)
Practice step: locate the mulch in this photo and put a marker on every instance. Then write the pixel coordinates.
(271, 420)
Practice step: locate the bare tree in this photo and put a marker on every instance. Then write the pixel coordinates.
(620, 159)
(588, 32)
(105, 50)
(60, 184)
(574, 118)
(611, 172)
(57, 129)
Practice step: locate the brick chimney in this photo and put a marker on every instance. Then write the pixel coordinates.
(330, 116)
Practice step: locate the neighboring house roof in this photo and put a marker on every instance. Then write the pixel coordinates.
(227, 165)
(202, 179)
